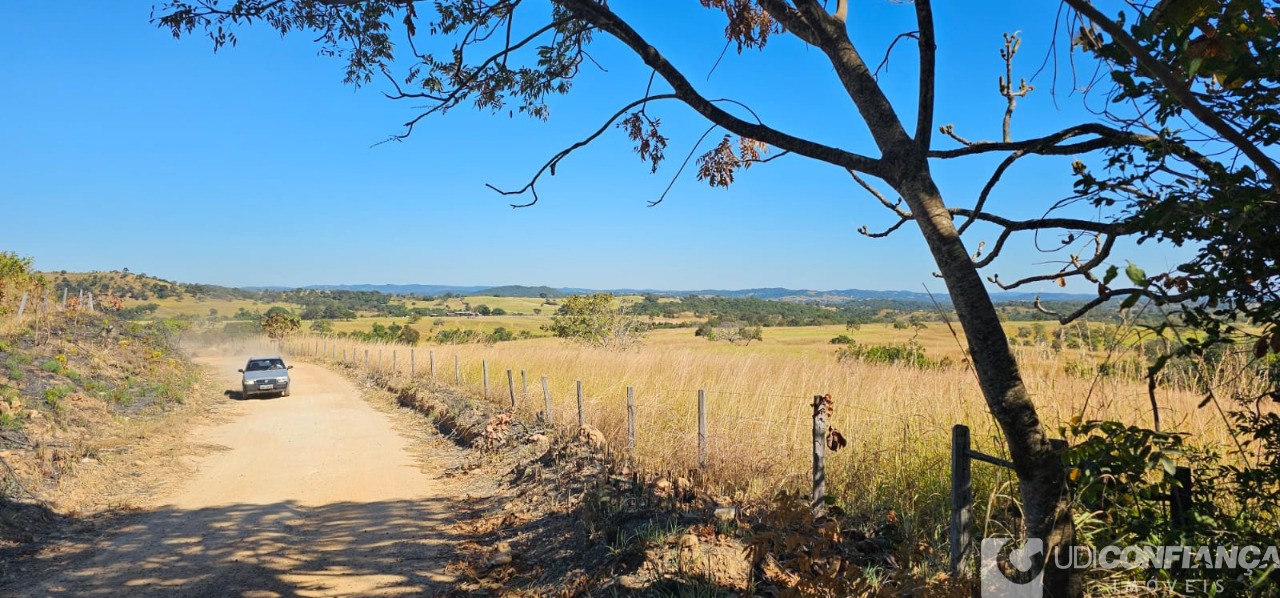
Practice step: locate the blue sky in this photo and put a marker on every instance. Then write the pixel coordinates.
(122, 147)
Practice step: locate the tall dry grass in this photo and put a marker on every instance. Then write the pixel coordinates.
(897, 419)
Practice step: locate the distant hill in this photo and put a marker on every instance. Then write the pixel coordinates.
(401, 289)
(520, 291)
(769, 293)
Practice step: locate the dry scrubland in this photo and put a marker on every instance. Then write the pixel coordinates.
(897, 418)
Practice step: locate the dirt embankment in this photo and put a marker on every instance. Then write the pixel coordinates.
(312, 494)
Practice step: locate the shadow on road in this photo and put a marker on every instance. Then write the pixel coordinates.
(279, 549)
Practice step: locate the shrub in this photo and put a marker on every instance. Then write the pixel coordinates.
(910, 354)
(53, 396)
(454, 336)
(595, 320)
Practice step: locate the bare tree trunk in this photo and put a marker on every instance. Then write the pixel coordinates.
(1042, 482)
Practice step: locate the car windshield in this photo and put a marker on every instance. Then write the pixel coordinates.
(259, 365)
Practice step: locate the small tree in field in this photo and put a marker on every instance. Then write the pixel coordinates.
(596, 320)
(409, 335)
(15, 276)
(280, 322)
(321, 326)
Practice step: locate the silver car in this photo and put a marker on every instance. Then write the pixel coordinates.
(265, 375)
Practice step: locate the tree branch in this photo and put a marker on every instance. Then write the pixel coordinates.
(1108, 295)
(604, 19)
(886, 232)
(550, 165)
(1108, 228)
(928, 78)
(894, 206)
(1011, 44)
(1085, 269)
(986, 189)
(1180, 90)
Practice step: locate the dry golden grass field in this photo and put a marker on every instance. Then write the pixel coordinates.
(898, 419)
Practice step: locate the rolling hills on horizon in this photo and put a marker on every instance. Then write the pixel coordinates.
(770, 293)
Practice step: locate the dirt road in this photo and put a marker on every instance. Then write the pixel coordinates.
(315, 494)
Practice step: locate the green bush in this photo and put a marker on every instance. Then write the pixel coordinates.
(909, 354)
(10, 422)
(53, 396)
(1122, 475)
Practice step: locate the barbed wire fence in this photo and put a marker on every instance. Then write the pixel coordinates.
(672, 428)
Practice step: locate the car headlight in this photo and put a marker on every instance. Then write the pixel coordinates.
(282, 380)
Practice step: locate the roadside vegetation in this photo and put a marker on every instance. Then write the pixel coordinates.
(80, 391)
(895, 403)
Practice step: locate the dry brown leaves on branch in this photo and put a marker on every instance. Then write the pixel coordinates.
(650, 144)
(749, 25)
(718, 165)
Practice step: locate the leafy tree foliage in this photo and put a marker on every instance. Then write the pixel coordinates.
(15, 276)
(596, 320)
(280, 322)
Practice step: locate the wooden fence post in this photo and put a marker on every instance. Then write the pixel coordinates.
(379, 359)
(22, 306)
(431, 356)
(631, 422)
(412, 362)
(366, 359)
(64, 297)
(819, 497)
(511, 389)
(524, 387)
(484, 372)
(546, 397)
(702, 429)
(961, 497)
(393, 361)
(457, 370)
(579, 403)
